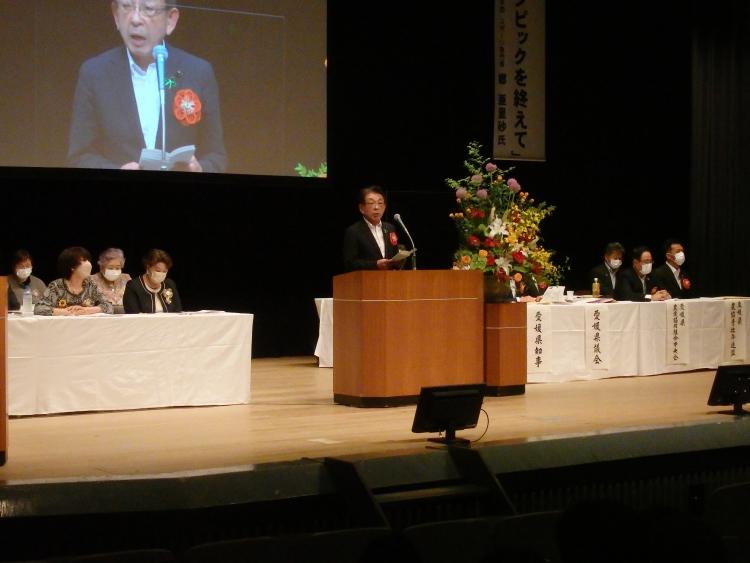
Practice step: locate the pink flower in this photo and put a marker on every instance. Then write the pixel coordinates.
(461, 193)
(514, 185)
(476, 179)
(482, 194)
(489, 167)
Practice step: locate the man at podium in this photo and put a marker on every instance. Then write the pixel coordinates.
(370, 243)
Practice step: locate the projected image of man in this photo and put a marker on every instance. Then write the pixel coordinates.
(117, 106)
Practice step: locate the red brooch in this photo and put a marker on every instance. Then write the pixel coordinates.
(393, 237)
(685, 283)
(187, 107)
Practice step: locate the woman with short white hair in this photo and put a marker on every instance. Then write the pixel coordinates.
(110, 279)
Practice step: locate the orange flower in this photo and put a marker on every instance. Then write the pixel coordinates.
(466, 259)
(518, 277)
(187, 107)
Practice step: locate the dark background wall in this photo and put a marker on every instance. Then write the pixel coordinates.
(409, 85)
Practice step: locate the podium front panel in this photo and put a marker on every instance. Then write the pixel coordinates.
(396, 332)
(3, 368)
(505, 348)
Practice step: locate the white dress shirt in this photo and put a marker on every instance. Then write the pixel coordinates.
(377, 232)
(676, 274)
(146, 89)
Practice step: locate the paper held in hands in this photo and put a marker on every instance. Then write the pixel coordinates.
(402, 255)
(151, 158)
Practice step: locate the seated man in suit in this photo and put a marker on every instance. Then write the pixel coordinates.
(117, 110)
(370, 243)
(634, 283)
(671, 276)
(606, 272)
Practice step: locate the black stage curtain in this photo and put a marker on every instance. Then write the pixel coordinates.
(721, 146)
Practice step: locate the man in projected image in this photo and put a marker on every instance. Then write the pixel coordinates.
(117, 110)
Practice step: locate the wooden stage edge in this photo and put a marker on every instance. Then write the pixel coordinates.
(292, 416)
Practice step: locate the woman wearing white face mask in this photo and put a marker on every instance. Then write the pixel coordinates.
(20, 278)
(74, 293)
(634, 284)
(152, 291)
(110, 279)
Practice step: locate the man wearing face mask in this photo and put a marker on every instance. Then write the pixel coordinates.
(606, 273)
(634, 283)
(110, 279)
(153, 291)
(74, 293)
(671, 276)
(21, 266)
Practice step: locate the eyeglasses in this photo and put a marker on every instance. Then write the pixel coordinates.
(147, 10)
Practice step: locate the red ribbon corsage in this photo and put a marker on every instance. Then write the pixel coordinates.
(393, 238)
(685, 283)
(187, 107)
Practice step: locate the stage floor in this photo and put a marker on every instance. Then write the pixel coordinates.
(292, 415)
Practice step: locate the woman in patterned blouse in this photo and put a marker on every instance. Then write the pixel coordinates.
(74, 293)
(111, 280)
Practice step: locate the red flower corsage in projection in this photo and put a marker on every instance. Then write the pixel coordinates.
(685, 283)
(187, 107)
(393, 237)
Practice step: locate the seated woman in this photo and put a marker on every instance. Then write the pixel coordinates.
(110, 279)
(21, 266)
(152, 291)
(74, 293)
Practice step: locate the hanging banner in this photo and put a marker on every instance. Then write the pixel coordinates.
(537, 326)
(735, 331)
(520, 64)
(678, 341)
(597, 337)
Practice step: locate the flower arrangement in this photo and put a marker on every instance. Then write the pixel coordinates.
(498, 226)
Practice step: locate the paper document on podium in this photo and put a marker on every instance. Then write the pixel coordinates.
(402, 255)
(151, 158)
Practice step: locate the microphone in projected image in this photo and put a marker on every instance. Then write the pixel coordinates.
(160, 56)
(397, 218)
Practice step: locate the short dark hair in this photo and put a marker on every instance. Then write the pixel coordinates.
(19, 256)
(154, 256)
(70, 259)
(638, 251)
(370, 190)
(669, 242)
(614, 247)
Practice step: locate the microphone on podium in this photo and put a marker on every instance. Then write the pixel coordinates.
(397, 218)
(160, 55)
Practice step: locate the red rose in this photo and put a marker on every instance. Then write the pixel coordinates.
(490, 243)
(490, 260)
(393, 237)
(472, 240)
(685, 283)
(502, 276)
(187, 107)
(518, 257)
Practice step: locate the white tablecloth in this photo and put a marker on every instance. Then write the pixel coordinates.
(636, 339)
(114, 362)
(324, 347)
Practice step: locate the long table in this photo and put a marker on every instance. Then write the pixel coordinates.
(117, 362)
(635, 338)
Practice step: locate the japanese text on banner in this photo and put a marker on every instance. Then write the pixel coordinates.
(735, 336)
(597, 337)
(537, 320)
(678, 340)
(520, 68)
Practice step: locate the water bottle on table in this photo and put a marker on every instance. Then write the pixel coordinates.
(27, 307)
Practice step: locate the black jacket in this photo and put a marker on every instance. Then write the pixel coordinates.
(601, 272)
(663, 278)
(629, 286)
(138, 299)
(361, 250)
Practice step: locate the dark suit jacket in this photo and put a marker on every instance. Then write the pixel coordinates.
(629, 286)
(105, 130)
(361, 251)
(138, 299)
(601, 272)
(663, 278)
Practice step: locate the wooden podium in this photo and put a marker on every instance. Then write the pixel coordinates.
(3, 368)
(505, 348)
(397, 331)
